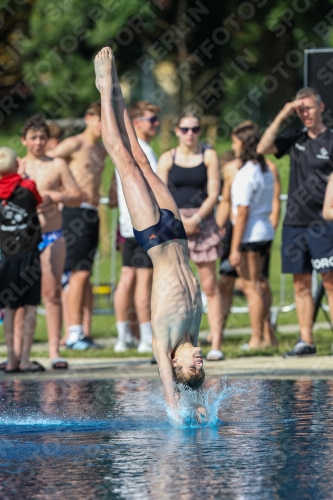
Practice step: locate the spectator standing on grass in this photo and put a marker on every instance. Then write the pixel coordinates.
(307, 239)
(86, 156)
(137, 270)
(192, 174)
(229, 273)
(54, 181)
(251, 200)
(20, 270)
(56, 135)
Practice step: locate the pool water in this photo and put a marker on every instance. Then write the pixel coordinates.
(113, 440)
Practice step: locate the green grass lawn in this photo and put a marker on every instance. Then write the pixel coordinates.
(230, 347)
(104, 326)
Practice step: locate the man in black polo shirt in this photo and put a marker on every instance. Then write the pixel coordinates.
(307, 239)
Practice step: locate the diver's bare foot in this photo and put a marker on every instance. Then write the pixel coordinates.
(103, 69)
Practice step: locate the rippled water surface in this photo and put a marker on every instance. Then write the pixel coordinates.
(113, 440)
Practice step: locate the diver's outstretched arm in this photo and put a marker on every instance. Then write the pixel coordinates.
(166, 374)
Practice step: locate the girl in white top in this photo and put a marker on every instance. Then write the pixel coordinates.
(251, 196)
(253, 188)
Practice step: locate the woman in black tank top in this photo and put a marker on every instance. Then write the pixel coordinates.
(191, 172)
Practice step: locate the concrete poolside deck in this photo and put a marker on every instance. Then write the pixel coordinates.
(268, 367)
(228, 332)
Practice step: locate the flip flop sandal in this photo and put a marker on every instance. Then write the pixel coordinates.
(59, 364)
(215, 355)
(3, 366)
(34, 367)
(16, 370)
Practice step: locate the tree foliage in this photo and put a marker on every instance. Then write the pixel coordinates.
(237, 59)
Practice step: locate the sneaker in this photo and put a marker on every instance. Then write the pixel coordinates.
(301, 349)
(120, 346)
(91, 343)
(144, 347)
(79, 345)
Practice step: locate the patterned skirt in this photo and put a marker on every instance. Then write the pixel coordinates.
(205, 246)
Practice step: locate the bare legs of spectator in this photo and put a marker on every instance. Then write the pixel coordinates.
(249, 270)
(123, 301)
(209, 284)
(77, 287)
(88, 306)
(304, 305)
(18, 332)
(226, 285)
(124, 292)
(26, 335)
(269, 338)
(133, 320)
(52, 263)
(64, 303)
(327, 279)
(137, 282)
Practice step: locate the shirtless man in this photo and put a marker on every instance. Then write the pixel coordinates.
(56, 134)
(86, 156)
(56, 184)
(176, 298)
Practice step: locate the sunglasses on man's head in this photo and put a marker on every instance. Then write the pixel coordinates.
(195, 130)
(152, 119)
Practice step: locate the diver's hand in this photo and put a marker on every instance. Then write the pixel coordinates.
(201, 414)
(173, 409)
(174, 416)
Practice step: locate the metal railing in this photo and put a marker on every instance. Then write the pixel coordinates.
(105, 288)
(281, 308)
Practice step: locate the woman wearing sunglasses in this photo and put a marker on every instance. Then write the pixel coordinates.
(192, 175)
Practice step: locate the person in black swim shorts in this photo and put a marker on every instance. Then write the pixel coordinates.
(176, 298)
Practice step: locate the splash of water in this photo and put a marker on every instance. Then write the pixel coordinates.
(198, 408)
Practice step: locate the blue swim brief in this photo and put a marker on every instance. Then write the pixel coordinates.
(167, 229)
(48, 238)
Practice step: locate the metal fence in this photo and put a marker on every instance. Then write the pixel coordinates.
(104, 285)
(103, 291)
